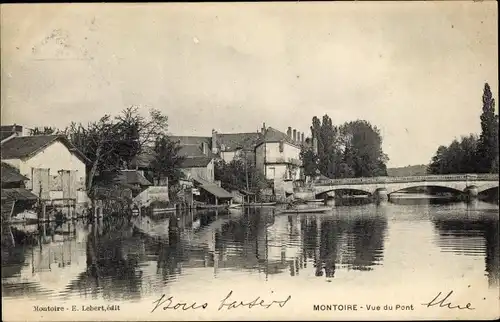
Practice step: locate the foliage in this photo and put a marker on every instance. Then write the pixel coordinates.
(46, 130)
(237, 173)
(138, 132)
(488, 142)
(472, 154)
(167, 162)
(353, 149)
(113, 142)
(458, 157)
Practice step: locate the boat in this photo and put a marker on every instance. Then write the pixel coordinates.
(235, 206)
(305, 210)
(260, 204)
(315, 201)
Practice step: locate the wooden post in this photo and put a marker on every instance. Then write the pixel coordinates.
(44, 211)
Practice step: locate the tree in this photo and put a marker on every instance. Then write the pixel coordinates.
(488, 141)
(363, 149)
(138, 132)
(458, 157)
(46, 130)
(167, 162)
(309, 161)
(98, 142)
(233, 175)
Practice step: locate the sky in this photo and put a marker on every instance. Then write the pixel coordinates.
(416, 70)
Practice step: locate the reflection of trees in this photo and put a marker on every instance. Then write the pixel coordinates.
(113, 255)
(366, 239)
(465, 238)
(169, 254)
(328, 248)
(324, 239)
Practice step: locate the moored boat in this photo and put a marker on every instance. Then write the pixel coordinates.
(260, 204)
(305, 210)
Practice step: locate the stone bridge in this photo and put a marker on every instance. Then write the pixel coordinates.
(381, 187)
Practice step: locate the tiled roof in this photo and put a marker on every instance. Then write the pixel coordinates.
(8, 130)
(235, 141)
(273, 135)
(132, 177)
(192, 151)
(18, 194)
(217, 191)
(11, 174)
(26, 146)
(196, 162)
(4, 135)
(192, 140)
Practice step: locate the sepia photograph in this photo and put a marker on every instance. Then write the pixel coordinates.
(250, 161)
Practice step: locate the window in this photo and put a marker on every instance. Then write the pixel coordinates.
(281, 147)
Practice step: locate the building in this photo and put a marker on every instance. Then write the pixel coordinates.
(277, 155)
(15, 197)
(229, 146)
(54, 168)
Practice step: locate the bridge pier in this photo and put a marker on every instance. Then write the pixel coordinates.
(471, 193)
(381, 196)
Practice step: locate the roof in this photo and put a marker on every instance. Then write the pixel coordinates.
(192, 140)
(11, 174)
(4, 135)
(192, 151)
(8, 130)
(27, 146)
(18, 194)
(132, 177)
(216, 191)
(272, 135)
(236, 141)
(196, 162)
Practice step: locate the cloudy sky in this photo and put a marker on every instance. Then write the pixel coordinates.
(415, 70)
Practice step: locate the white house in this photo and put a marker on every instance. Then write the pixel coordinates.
(277, 155)
(54, 167)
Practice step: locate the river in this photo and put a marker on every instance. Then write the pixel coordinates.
(380, 248)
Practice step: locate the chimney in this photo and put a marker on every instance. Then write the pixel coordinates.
(298, 136)
(289, 132)
(302, 137)
(263, 128)
(294, 135)
(214, 142)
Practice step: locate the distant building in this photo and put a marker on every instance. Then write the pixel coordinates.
(54, 168)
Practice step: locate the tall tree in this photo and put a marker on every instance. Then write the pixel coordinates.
(138, 132)
(488, 141)
(98, 142)
(167, 161)
(363, 150)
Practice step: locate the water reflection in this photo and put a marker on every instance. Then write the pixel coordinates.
(118, 258)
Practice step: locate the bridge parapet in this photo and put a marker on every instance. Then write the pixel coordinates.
(428, 178)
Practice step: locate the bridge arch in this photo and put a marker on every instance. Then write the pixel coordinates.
(487, 186)
(458, 187)
(368, 191)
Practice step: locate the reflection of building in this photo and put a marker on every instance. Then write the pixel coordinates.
(54, 167)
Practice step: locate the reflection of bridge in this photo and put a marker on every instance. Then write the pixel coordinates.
(380, 187)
